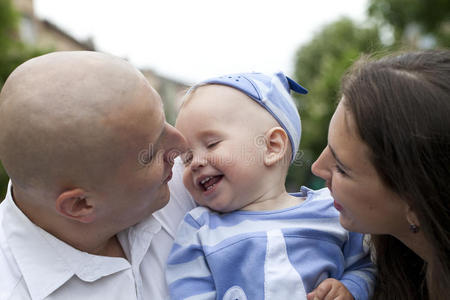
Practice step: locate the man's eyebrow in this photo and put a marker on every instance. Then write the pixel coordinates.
(337, 158)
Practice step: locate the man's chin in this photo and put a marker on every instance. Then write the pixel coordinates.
(164, 199)
(155, 209)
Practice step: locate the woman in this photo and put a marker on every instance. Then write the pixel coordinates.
(387, 165)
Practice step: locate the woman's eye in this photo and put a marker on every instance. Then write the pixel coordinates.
(340, 170)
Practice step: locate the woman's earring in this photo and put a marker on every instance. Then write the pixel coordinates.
(412, 220)
(413, 228)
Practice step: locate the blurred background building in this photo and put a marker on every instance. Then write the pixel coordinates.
(44, 35)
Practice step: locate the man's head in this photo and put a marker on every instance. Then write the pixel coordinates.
(239, 137)
(86, 131)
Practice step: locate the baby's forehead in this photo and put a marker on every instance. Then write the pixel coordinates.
(216, 92)
(223, 100)
(223, 105)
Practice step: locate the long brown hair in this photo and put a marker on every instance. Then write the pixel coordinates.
(401, 106)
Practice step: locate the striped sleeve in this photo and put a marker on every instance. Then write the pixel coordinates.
(188, 275)
(359, 273)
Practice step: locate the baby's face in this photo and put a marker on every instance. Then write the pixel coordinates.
(226, 147)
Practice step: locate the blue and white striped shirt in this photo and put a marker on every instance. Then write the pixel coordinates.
(277, 254)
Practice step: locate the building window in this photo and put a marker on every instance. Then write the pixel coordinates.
(27, 30)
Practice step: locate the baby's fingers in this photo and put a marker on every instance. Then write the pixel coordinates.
(321, 291)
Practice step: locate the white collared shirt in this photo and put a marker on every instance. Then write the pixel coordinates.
(36, 265)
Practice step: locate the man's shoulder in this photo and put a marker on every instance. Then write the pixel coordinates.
(11, 277)
(2, 208)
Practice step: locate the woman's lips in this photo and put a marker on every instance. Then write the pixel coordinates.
(336, 205)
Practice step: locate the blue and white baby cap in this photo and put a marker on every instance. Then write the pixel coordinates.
(272, 93)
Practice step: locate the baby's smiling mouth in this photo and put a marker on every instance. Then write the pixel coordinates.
(208, 182)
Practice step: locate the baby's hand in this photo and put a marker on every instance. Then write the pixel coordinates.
(330, 289)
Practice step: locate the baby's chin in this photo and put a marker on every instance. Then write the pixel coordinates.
(218, 208)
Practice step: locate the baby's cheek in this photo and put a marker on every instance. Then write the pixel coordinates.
(187, 180)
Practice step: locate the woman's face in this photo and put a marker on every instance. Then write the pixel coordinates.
(364, 202)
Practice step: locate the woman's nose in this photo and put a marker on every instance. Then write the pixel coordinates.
(321, 167)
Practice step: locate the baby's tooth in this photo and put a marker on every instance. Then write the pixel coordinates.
(205, 180)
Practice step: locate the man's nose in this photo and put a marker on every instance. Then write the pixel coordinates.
(176, 144)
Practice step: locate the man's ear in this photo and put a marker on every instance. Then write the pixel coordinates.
(75, 205)
(277, 143)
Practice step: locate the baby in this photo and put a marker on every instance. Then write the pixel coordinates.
(249, 238)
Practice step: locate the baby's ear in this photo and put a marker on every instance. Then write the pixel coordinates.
(277, 143)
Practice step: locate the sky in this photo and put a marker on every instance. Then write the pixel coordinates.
(190, 40)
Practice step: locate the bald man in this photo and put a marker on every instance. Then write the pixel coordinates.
(84, 140)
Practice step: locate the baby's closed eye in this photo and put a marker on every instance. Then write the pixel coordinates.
(212, 144)
(186, 157)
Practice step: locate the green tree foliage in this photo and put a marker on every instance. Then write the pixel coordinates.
(12, 53)
(319, 66)
(8, 42)
(426, 17)
(321, 63)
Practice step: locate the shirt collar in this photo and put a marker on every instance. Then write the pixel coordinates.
(136, 239)
(46, 262)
